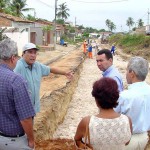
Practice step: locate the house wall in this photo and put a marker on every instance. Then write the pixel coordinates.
(39, 35)
(4, 22)
(19, 38)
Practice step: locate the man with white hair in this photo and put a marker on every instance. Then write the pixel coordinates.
(33, 71)
(16, 110)
(135, 102)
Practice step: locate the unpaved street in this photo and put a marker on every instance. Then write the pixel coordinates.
(83, 103)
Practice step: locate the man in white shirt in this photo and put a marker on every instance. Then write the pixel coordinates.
(135, 102)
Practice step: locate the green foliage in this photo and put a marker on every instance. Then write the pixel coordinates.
(63, 11)
(130, 22)
(132, 40)
(85, 34)
(60, 21)
(130, 43)
(111, 26)
(30, 17)
(70, 29)
(47, 28)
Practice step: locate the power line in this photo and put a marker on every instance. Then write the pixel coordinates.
(46, 4)
(115, 1)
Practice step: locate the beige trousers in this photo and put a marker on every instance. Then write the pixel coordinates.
(19, 143)
(138, 142)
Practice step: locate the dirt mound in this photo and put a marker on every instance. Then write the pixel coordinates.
(55, 144)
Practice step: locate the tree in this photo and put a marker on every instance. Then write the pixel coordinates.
(18, 6)
(63, 11)
(108, 22)
(112, 26)
(140, 23)
(81, 27)
(130, 22)
(30, 17)
(60, 21)
(4, 6)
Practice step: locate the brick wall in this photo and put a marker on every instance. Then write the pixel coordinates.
(4, 22)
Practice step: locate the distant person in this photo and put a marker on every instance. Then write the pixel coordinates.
(108, 130)
(96, 48)
(16, 110)
(33, 72)
(135, 102)
(84, 47)
(104, 60)
(90, 55)
(113, 48)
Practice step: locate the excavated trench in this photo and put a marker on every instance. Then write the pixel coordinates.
(56, 94)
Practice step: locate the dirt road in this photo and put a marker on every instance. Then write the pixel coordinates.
(83, 103)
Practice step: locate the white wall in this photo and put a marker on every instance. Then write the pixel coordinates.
(19, 38)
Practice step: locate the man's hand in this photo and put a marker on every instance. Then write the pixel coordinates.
(69, 75)
(31, 144)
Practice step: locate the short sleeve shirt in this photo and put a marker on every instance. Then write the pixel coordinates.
(33, 77)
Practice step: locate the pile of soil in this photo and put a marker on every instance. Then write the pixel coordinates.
(56, 144)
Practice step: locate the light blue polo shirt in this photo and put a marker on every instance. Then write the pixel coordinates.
(33, 77)
(112, 72)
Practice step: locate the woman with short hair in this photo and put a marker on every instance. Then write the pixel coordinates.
(108, 130)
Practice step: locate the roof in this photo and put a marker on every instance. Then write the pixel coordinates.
(14, 18)
(45, 22)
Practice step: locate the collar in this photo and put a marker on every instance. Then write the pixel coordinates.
(6, 66)
(136, 84)
(25, 64)
(108, 70)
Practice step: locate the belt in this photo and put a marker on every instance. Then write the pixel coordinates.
(12, 136)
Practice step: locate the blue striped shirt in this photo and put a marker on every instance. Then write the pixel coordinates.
(15, 102)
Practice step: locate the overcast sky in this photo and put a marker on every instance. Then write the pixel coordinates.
(94, 13)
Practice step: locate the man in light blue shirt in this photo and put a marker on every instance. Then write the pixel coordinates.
(33, 72)
(135, 102)
(104, 60)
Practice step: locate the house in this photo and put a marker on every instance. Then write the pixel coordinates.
(17, 29)
(60, 29)
(23, 31)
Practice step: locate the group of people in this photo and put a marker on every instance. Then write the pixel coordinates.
(87, 47)
(19, 94)
(122, 121)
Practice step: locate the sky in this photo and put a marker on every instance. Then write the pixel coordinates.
(94, 13)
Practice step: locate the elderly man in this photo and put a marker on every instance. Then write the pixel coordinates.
(104, 60)
(16, 110)
(33, 72)
(135, 102)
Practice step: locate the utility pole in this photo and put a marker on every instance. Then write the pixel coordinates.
(55, 25)
(148, 17)
(75, 27)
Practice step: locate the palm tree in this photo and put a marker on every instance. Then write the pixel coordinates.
(140, 23)
(63, 11)
(18, 6)
(4, 5)
(112, 26)
(130, 22)
(108, 23)
(30, 17)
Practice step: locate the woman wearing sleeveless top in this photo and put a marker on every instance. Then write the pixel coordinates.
(108, 130)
